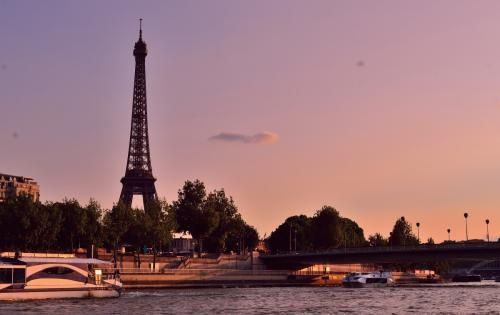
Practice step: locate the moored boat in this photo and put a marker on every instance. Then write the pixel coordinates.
(28, 278)
(367, 279)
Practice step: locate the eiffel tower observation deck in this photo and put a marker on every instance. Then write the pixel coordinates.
(139, 179)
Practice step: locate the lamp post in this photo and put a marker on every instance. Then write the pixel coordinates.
(449, 239)
(466, 215)
(290, 238)
(487, 230)
(418, 232)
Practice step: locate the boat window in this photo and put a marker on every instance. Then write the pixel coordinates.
(58, 271)
(19, 275)
(6, 275)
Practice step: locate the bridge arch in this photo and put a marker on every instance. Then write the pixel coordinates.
(486, 265)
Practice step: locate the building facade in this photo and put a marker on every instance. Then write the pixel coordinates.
(13, 186)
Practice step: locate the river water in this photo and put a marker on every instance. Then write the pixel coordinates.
(470, 299)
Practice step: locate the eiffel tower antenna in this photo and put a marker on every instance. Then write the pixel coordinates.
(138, 179)
(140, 29)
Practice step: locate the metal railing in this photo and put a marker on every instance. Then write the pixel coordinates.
(200, 272)
(382, 249)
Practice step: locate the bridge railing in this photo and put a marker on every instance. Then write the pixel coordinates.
(198, 272)
(381, 249)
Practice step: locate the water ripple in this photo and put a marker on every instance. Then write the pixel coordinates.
(315, 300)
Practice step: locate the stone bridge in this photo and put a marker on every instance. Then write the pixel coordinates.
(380, 255)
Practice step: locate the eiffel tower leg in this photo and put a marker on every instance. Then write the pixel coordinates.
(149, 195)
(126, 196)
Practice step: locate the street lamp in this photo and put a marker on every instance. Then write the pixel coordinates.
(487, 230)
(418, 232)
(466, 215)
(449, 239)
(290, 238)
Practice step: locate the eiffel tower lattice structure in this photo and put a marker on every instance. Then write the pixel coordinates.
(138, 179)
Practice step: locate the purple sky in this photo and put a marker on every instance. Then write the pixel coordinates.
(379, 108)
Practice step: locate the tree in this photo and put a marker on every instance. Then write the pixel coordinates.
(353, 234)
(158, 226)
(280, 239)
(73, 223)
(53, 226)
(28, 225)
(117, 223)
(241, 236)
(93, 229)
(251, 237)
(327, 227)
(402, 234)
(192, 214)
(325, 230)
(136, 231)
(227, 214)
(377, 239)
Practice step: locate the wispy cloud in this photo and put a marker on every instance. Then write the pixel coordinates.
(258, 138)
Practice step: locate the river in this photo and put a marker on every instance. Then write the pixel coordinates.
(288, 300)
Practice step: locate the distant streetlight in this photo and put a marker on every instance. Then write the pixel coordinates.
(487, 230)
(418, 232)
(290, 238)
(449, 239)
(466, 215)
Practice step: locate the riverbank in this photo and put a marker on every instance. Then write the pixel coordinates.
(224, 279)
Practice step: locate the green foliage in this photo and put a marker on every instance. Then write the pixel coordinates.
(326, 225)
(283, 238)
(353, 235)
(117, 223)
(29, 225)
(191, 212)
(377, 239)
(66, 225)
(80, 226)
(158, 224)
(240, 236)
(250, 237)
(93, 234)
(325, 230)
(73, 222)
(402, 234)
(211, 219)
(228, 220)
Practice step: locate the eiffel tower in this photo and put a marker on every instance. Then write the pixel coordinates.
(138, 179)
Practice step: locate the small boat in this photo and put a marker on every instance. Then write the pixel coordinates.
(466, 278)
(367, 279)
(28, 278)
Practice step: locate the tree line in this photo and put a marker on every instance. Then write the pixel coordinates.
(211, 218)
(327, 229)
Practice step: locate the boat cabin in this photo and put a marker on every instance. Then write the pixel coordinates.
(12, 273)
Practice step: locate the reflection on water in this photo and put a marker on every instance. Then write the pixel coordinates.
(303, 300)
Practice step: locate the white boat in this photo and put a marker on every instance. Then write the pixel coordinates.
(28, 278)
(367, 279)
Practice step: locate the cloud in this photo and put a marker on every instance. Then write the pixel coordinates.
(258, 138)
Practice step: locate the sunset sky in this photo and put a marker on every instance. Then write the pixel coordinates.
(381, 109)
